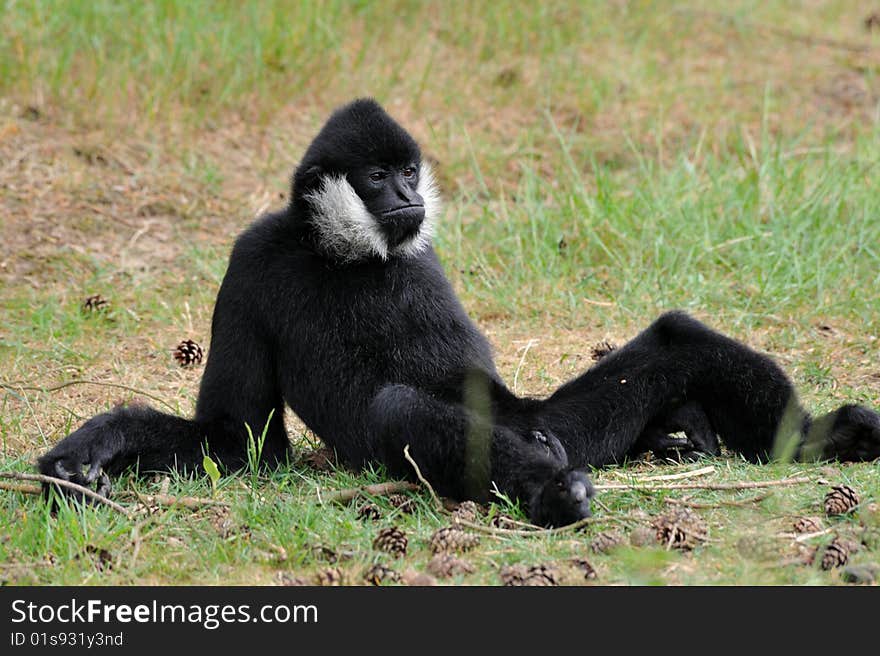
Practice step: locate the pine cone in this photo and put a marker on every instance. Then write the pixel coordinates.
(807, 525)
(379, 574)
(96, 303)
(602, 349)
(445, 565)
(468, 511)
(542, 575)
(391, 540)
(329, 576)
(451, 539)
(680, 528)
(402, 503)
(188, 353)
(584, 565)
(514, 575)
(606, 541)
(837, 553)
(369, 511)
(840, 500)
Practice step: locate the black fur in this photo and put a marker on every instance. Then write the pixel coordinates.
(375, 353)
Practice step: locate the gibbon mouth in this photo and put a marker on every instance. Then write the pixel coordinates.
(401, 224)
(404, 210)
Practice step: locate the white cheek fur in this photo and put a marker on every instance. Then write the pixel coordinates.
(347, 229)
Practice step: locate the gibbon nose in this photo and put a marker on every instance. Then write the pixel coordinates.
(406, 193)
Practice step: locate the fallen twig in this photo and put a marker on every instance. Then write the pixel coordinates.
(695, 504)
(528, 526)
(599, 303)
(55, 388)
(71, 486)
(136, 543)
(597, 501)
(437, 503)
(749, 485)
(146, 499)
(183, 502)
(803, 537)
(522, 361)
(539, 530)
(674, 477)
(377, 490)
(21, 487)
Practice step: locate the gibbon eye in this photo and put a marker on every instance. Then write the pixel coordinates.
(409, 172)
(378, 176)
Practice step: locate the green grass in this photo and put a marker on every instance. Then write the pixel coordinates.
(781, 235)
(277, 528)
(601, 162)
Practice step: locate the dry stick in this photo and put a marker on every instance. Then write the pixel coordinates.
(72, 486)
(750, 485)
(184, 502)
(694, 504)
(523, 525)
(437, 503)
(461, 522)
(674, 477)
(522, 361)
(377, 490)
(55, 388)
(491, 530)
(803, 537)
(601, 504)
(599, 303)
(610, 486)
(537, 530)
(505, 531)
(136, 542)
(21, 487)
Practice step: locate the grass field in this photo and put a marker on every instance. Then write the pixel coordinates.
(601, 162)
